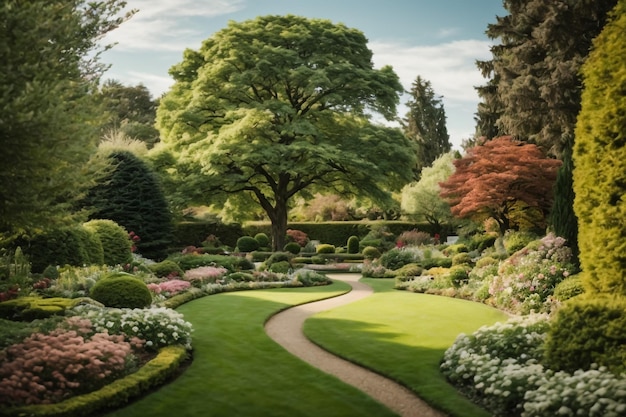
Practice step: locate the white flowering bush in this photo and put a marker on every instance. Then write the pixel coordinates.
(499, 367)
(158, 326)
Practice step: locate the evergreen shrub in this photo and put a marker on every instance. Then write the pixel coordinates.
(397, 258)
(263, 239)
(247, 244)
(166, 268)
(353, 244)
(280, 267)
(570, 287)
(371, 252)
(120, 290)
(114, 239)
(461, 258)
(292, 247)
(586, 331)
(325, 248)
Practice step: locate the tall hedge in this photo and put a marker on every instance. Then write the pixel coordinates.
(131, 195)
(600, 161)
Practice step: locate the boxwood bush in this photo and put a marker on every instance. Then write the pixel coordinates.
(121, 290)
(114, 239)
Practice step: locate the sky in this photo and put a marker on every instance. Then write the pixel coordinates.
(439, 40)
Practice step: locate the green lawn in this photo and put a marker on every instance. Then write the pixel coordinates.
(404, 335)
(239, 371)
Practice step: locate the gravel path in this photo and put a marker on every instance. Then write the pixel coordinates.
(286, 329)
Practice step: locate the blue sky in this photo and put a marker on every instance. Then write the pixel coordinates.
(437, 39)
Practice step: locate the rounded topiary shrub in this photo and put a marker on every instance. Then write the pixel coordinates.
(325, 248)
(280, 267)
(353, 244)
(570, 287)
(588, 331)
(116, 245)
(370, 252)
(166, 268)
(292, 247)
(120, 290)
(458, 275)
(247, 244)
(263, 239)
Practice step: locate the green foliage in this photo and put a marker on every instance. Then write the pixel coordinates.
(280, 267)
(456, 248)
(353, 244)
(425, 124)
(34, 308)
(292, 247)
(120, 290)
(166, 268)
(371, 252)
(280, 144)
(600, 162)
(480, 242)
(194, 233)
(61, 246)
(442, 262)
(458, 275)
(114, 239)
(514, 241)
(421, 200)
(409, 270)
(277, 257)
(325, 248)
(51, 272)
(231, 263)
(49, 66)
(130, 194)
(588, 330)
(570, 287)
(461, 258)
(247, 244)
(263, 239)
(397, 258)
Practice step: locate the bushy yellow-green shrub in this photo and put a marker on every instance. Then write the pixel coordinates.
(325, 248)
(588, 330)
(570, 287)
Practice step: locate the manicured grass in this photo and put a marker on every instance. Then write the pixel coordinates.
(404, 336)
(239, 371)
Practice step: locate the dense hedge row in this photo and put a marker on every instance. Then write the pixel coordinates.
(338, 233)
(193, 233)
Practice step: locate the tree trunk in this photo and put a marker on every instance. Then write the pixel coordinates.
(279, 226)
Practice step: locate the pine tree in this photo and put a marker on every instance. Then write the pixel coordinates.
(425, 124)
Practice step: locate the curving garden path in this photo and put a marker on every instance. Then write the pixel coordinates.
(286, 329)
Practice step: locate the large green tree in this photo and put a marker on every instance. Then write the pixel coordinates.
(600, 162)
(130, 110)
(277, 107)
(421, 199)
(535, 69)
(425, 124)
(49, 68)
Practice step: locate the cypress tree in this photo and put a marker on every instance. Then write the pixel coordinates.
(600, 161)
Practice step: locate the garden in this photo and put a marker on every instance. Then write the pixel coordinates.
(77, 340)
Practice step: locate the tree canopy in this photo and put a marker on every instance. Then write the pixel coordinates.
(425, 124)
(495, 179)
(535, 84)
(421, 199)
(48, 71)
(600, 162)
(277, 107)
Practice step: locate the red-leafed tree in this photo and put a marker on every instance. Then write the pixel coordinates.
(498, 177)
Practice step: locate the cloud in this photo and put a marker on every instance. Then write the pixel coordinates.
(166, 25)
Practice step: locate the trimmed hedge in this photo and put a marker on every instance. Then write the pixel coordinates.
(193, 233)
(116, 244)
(337, 233)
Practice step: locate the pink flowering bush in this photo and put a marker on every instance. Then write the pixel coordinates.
(48, 368)
(205, 274)
(525, 282)
(169, 288)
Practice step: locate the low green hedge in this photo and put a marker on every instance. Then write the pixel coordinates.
(193, 233)
(152, 374)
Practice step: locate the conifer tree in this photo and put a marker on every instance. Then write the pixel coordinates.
(425, 124)
(130, 194)
(600, 162)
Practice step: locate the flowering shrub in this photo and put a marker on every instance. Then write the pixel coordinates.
(499, 367)
(413, 237)
(47, 368)
(158, 326)
(526, 281)
(297, 236)
(205, 274)
(169, 288)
